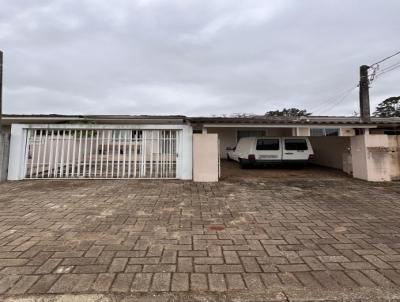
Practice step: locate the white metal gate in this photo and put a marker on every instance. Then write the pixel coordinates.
(100, 153)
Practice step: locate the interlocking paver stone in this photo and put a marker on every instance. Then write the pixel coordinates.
(253, 281)
(161, 282)
(180, 282)
(7, 282)
(227, 268)
(307, 279)
(198, 282)
(185, 264)
(103, 282)
(43, 284)
(122, 282)
(142, 282)
(23, 285)
(241, 234)
(360, 278)
(235, 282)
(48, 266)
(216, 282)
(118, 265)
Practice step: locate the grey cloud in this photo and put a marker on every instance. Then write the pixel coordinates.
(193, 57)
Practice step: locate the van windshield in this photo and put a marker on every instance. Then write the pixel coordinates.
(267, 144)
(296, 144)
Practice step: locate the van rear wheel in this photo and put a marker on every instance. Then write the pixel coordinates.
(243, 165)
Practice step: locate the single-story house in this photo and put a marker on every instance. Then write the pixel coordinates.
(180, 147)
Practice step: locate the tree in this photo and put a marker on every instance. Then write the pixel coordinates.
(242, 115)
(389, 107)
(288, 112)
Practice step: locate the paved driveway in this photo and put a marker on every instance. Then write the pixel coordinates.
(282, 239)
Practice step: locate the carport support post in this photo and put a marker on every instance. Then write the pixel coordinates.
(17, 153)
(364, 94)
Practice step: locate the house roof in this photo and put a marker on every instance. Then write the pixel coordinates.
(108, 119)
(174, 119)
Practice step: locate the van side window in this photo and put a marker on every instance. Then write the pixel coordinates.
(296, 144)
(267, 144)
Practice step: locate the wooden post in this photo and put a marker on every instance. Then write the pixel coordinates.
(364, 94)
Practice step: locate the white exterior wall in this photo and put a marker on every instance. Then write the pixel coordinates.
(18, 144)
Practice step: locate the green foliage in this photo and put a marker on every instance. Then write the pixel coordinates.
(288, 112)
(243, 115)
(389, 107)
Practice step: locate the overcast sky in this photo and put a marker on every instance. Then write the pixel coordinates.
(194, 57)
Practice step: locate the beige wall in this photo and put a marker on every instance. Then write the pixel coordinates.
(299, 131)
(329, 150)
(359, 157)
(394, 154)
(375, 157)
(205, 157)
(347, 132)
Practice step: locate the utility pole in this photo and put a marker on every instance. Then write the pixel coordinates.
(364, 94)
(1, 89)
(3, 151)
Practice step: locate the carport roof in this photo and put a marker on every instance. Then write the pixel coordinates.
(308, 120)
(168, 119)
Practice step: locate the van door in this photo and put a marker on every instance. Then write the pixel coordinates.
(295, 149)
(268, 149)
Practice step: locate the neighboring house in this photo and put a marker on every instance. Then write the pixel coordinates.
(106, 146)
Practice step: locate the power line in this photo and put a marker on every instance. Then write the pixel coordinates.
(339, 100)
(387, 58)
(378, 73)
(343, 98)
(383, 73)
(389, 68)
(340, 96)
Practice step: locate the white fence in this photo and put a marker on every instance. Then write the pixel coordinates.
(103, 152)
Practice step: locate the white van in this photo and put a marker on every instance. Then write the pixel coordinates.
(251, 151)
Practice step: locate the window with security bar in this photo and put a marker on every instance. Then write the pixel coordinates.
(324, 131)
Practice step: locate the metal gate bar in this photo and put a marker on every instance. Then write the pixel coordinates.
(100, 153)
